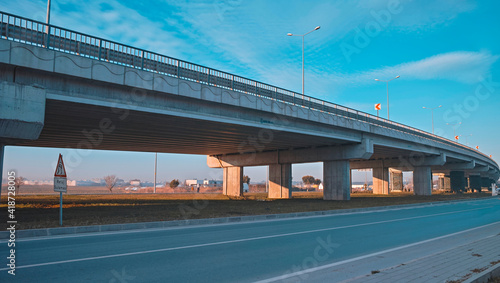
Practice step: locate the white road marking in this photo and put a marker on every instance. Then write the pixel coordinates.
(298, 273)
(240, 240)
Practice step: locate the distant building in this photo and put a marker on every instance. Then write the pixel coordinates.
(86, 183)
(212, 183)
(193, 182)
(135, 183)
(98, 181)
(44, 182)
(204, 183)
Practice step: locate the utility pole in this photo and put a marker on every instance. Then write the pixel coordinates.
(156, 157)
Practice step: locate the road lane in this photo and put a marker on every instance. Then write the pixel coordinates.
(241, 252)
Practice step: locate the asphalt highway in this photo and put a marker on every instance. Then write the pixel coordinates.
(267, 251)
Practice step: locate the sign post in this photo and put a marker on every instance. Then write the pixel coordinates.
(60, 184)
(378, 106)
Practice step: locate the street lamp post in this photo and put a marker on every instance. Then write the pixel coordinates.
(454, 125)
(387, 82)
(154, 185)
(303, 35)
(47, 19)
(432, 110)
(467, 139)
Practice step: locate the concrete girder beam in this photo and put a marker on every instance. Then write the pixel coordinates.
(456, 166)
(331, 153)
(415, 147)
(22, 111)
(402, 163)
(481, 169)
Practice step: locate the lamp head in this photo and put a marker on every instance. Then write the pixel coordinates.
(289, 34)
(317, 28)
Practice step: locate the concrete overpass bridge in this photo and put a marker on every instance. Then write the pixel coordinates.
(62, 88)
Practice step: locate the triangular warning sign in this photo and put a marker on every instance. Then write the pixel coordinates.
(60, 170)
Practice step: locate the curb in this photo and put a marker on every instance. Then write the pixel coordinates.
(30, 233)
(486, 275)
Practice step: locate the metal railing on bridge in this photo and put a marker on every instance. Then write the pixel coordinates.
(37, 33)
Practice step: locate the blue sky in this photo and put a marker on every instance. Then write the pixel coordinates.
(446, 52)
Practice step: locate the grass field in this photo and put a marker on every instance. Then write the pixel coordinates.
(42, 211)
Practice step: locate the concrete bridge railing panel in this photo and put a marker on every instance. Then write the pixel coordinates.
(264, 104)
(190, 89)
(211, 93)
(138, 79)
(248, 101)
(73, 65)
(5, 51)
(291, 111)
(278, 108)
(106, 72)
(36, 58)
(162, 83)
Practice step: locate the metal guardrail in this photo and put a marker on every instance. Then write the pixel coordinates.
(37, 33)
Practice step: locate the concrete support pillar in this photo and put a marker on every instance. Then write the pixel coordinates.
(441, 183)
(447, 185)
(396, 180)
(336, 180)
(2, 150)
(485, 182)
(457, 181)
(233, 181)
(422, 181)
(492, 181)
(381, 180)
(475, 182)
(280, 181)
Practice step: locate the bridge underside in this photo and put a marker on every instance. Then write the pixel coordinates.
(77, 125)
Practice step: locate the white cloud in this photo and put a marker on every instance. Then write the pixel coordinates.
(461, 66)
(418, 15)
